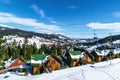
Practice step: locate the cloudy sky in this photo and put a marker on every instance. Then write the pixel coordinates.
(72, 18)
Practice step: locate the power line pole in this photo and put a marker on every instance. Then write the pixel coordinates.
(110, 46)
(95, 34)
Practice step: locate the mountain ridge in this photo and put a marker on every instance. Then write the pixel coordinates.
(5, 31)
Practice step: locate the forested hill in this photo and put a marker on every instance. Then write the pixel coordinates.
(4, 31)
(108, 39)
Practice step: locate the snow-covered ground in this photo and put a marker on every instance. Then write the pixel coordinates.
(98, 71)
(38, 40)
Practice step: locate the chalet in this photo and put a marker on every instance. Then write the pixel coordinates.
(43, 63)
(97, 56)
(86, 57)
(75, 56)
(37, 61)
(72, 58)
(110, 55)
(53, 63)
(106, 54)
(14, 62)
(116, 52)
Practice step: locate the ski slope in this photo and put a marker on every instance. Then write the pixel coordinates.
(97, 71)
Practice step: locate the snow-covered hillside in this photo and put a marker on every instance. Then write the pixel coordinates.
(98, 71)
(38, 40)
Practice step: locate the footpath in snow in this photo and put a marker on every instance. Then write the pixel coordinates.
(97, 71)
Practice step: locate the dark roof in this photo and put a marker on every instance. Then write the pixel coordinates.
(94, 54)
(55, 57)
(89, 54)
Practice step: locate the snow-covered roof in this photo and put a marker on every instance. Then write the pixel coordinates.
(75, 54)
(38, 58)
(9, 62)
(116, 42)
(103, 52)
(90, 49)
(116, 51)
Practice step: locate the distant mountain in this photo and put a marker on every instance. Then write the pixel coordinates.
(87, 40)
(109, 38)
(113, 38)
(5, 31)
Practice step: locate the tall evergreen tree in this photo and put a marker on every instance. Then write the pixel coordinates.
(59, 50)
(54, 50)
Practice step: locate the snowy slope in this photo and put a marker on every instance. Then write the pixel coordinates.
(38, 40)
(98, 71)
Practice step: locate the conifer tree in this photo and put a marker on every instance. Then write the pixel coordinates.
(59, 50)
(54, 50)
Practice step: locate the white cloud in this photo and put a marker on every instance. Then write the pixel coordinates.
(45, 31)
(5, 1)
(54, 22)
(10, 18)
(115, 26)
(39, 11)
(72, 7)
(116, 14)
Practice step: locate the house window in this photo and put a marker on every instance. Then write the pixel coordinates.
(53, 61)
(49, 66)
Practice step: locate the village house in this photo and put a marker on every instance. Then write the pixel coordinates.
(53, 63)
(97, 56)
(14, 62)
(86, 58)
(116, 52)
(43, 63)
(106, 54)
(37, 61)
(75, 56)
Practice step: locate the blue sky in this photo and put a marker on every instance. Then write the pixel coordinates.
(72, 18)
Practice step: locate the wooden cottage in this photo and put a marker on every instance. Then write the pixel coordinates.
(97, 57)
(43, 63)
(72, 58)
(53, 63)
(14, 62)
(110, 55)
(87, 58)
(75, 56)
(37, 61)
(102, 55)
(116, 52)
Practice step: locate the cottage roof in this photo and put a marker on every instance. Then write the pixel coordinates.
(55, 57)
(75, 54)
(102, 52)
(38, 56)
(10, 61)
(116, 51)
